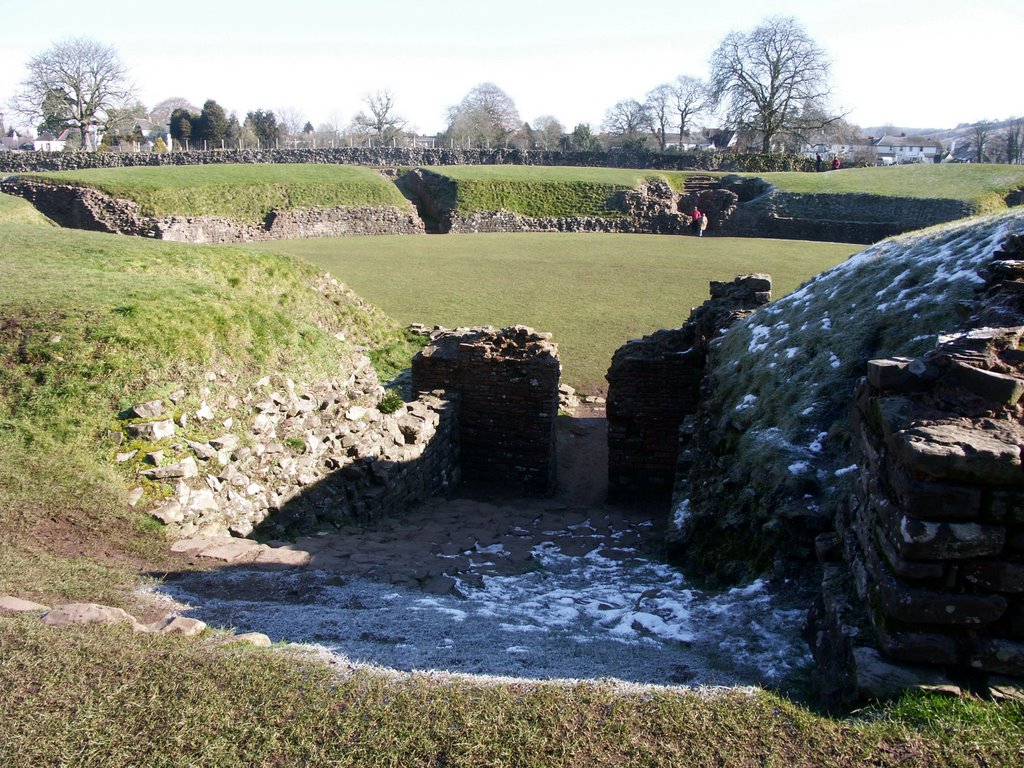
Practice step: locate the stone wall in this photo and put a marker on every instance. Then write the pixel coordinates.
(86, 208)
(227, 458)
(22, 162)
(924, 578)
(507, 383)
(650, 209)
(654, 383)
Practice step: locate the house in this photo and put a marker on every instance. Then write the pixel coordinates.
(849, 149)
(13, 140)
(47, 142)
(896, 150)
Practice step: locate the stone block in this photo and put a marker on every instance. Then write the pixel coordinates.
(933, 500)
(927, 540)
(1005, 657)
(876, 678)
(913, 646)
(152, 431)
(1006, 505)
(955, 451)
(997, 387)
(996, 576)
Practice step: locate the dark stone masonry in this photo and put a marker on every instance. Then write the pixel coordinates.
(924, 576)
(654, 384)
(507, 384)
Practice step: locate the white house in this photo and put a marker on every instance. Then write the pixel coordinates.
(47, 142)
(907, 149)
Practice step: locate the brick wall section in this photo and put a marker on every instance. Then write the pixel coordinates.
(654, 383)
(933, 539)
(507, 381)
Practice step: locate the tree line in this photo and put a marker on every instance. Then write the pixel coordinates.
(770, 85)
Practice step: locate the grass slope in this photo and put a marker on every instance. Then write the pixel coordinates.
(593, 292)
(241, 192)
(108, 698)
(984, 187)
(541, 191)
(91, 323)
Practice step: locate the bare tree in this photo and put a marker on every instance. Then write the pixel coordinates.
(1013, 140)
(547, 132)
(290, 121)
(689, 95)
(383, 121)
(485, 117)
(161, 113)
(74, 84)
(659, 108)
(771, 79)
(626, 119)
(980, 131)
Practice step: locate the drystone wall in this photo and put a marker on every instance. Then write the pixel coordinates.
(654, 384)
(924, 577)
(86, 208)
(650, 209)
(507, 384)
(273, 456)
(22, 162)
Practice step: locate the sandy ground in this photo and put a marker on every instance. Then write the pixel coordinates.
(485, 583)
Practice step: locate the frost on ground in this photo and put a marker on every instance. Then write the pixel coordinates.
(611, 613)
(786, 374)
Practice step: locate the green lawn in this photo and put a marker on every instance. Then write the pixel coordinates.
(242, 192)
(983, 186)
(593, 292)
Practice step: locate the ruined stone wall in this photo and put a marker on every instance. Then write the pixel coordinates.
(85, 208)
(654, 383)
(23, 162)
(507, 383)
(924, 578)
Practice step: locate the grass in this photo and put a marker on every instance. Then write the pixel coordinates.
(982, 186)
(90, 324)
(240, 192)
(593, 292)
(541, 191)
(101, 696)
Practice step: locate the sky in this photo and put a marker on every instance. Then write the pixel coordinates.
(932, 64)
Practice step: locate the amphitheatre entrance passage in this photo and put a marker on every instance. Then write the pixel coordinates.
(528, 577)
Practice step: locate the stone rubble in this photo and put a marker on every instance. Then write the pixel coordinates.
(924, 577)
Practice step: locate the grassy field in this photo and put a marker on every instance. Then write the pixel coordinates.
(983, 186)
(593, 292)
(90, 323)
(242, 192)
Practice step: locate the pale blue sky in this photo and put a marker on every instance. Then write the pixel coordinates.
(914, 63)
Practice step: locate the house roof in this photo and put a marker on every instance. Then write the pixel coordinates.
(908, 141)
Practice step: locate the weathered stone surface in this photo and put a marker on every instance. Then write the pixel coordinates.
(148, 410)
(877, 678)
(169, 513)
(184, 469)
(86, 613)
(933, 500)
(231, 550)
(257, 639)
(925, 540)
(177, 625)
(956, 452)
(998, 387)
(996, 576)
(1004, 657)
(152, 430)
(13, 604)
(282, 556)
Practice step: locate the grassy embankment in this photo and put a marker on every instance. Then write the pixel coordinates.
(240, 192)
(593, 292)
(91, 323)
(983, 187)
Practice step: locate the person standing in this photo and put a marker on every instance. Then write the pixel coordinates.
(836, 163)
(695, 220)
(703, 224)
(817, 162)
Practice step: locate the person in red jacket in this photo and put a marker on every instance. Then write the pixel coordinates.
(695, 218)
(835, 163)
